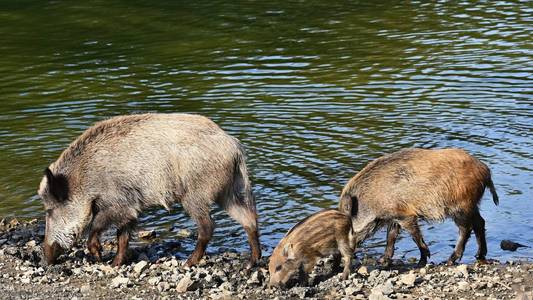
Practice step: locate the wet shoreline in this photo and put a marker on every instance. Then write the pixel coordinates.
(155, 272)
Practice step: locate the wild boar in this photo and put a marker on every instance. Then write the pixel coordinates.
(122, 166)
(321, 234)
(400, 188)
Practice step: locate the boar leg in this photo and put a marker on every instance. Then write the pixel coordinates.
(123, 238)
(93, 244)
(392, 233)
(479, 230)
(248, 219)
(465, 229)
(411, 225)
(205, 232)
(346, 252)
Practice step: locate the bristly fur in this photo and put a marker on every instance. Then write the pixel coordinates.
(416, 184)
(318, 235)
(121, 166)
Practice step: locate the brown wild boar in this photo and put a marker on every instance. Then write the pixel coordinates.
(321, 234)
(119, 167)
(400, 188)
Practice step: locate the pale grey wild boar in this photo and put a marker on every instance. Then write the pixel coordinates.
(321, 234)
(400, 188)
(121, 166)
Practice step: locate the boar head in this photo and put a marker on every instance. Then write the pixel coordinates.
(66, 216)
(284, 266)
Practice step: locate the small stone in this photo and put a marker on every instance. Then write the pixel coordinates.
(120, 281)
(163, 286)
(85, 289)
(383, 289)
(463, 286)
(363, 270)
(140, 267)
(351, 290)
(147, 234)
(255, 278)
(25, 280)
(186, 284)
(154, 280)
(462, 270)
(510, 245)
(184, 233)
(31, 244)
(106, 269)
(378, 297)
(408, 279)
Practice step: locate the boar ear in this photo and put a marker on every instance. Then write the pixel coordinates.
(288, 251)
(57, 185)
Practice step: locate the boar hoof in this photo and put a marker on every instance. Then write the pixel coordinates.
(118, 261)
(385, 262)
(345, 275)
(422, 263)
(450, 262)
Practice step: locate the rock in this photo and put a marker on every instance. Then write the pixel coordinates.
(383, 289)
(154, 280)
(463, 286)
(85, 289)
(462, 270)
(120, 281)
(255, 278)
(378, 297)
(163, 286)
(408, 279)
(351, 290)
(140, 267)
(363, 270)
(510, 245)
(186, 284)
(184, 233)
(147, 234)
(25, 280)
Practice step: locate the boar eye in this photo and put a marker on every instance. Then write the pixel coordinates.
(278, 268)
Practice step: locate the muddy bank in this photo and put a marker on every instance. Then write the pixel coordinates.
(155, 272)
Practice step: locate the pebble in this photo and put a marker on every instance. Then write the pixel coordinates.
(186, 284)
(463, 286)
(147, 234)
(140, 267)
(363, 270)
(154, 280)
(462, 270)
(408, 279)
(383, 289)
(120, 281)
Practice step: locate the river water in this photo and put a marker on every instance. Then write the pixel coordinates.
(314, 91)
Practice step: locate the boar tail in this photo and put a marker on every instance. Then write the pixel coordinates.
(348, 204)
(239, 201)
(490, 185)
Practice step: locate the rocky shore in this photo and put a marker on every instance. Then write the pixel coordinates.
(156, 273)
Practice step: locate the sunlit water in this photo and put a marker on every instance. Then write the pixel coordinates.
(314, 90)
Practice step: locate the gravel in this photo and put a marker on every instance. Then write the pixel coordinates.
(156, 272)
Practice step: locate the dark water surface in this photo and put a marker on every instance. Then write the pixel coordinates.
(314, 90)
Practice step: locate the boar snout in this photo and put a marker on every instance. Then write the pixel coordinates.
(52, 252)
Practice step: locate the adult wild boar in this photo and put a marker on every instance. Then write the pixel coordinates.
(400, 188)
(324, 233)
(121, 166)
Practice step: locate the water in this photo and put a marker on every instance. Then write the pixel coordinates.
(314, 91)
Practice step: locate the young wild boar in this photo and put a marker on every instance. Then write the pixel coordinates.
(121, 166)
(321, 234)
(402, 187)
